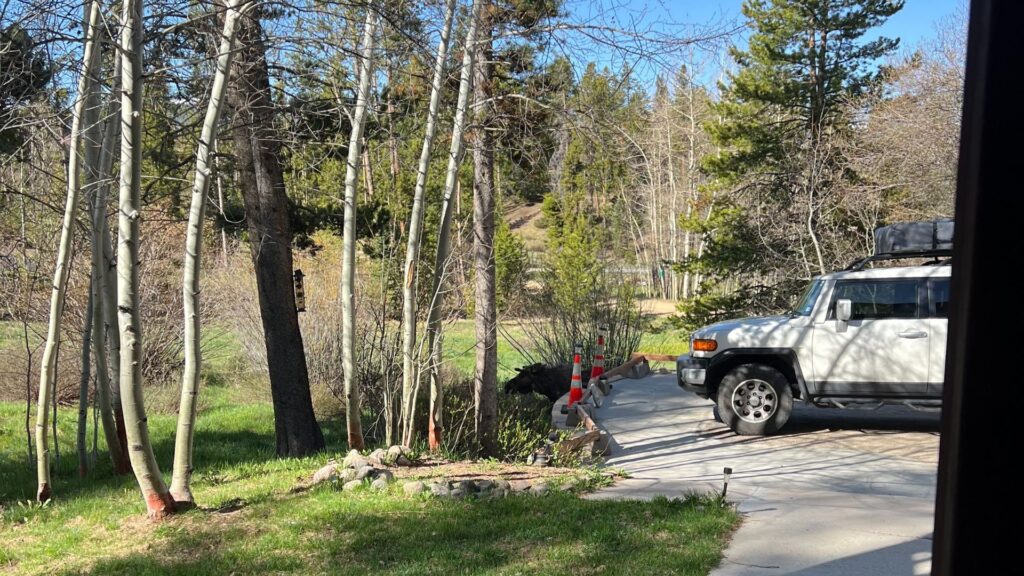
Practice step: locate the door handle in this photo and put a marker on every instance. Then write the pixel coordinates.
(913, 334)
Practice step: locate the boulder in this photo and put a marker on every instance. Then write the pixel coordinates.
(347, 475)
(326, 474)
(466, 486)
(484, 485)
(458, 493)
(519, 485)
(386, 475)
(502, 484)
(366, 472)
(352, 485)
(439, 489)
(355, 460)
(380, 484)
(540, 488)
(413, 488)
(378, 457)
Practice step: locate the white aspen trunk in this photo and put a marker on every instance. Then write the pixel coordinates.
(47, 372)
(180, 488)
(691, 164)
(456, 153)
(140, 450)
(348, 258)
(83, 394)
(104, 327)
(410, 365)
(673, 214)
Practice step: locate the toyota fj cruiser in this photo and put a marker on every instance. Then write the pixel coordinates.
(864, 337)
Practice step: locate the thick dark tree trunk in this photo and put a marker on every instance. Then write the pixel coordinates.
(485, 382)
(256, 149)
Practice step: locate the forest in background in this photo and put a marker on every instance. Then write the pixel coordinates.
(719, 166)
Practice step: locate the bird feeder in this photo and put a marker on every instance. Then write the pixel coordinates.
(300, 293)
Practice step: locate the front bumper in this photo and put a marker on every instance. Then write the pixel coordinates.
(690, 374)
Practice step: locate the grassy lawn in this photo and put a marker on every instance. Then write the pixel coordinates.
(251, 520)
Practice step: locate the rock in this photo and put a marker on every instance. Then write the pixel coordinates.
(458, 493)
(366, 472)
(396, 455)
(502, 484)
(498, 493)
(352, 485)
(380, 484)
(414, 488)
(347, 475)
(355, 460)
(484, 485)
(327, 473)
(377, 457)
(385, 475)
(519, 485)
(438, 489)
(466, 486)
(541, 488)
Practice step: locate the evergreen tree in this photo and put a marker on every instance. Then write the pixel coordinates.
(781, 113)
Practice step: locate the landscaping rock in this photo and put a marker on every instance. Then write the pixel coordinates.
(519, 485)
(386, 475)
(438, 489)
(541, 488)
(467, 486)
(347, 475)
(380, 484)
(352, 485)
(366, 472)
(502, 484)
(378, 457)
(414, 488)
(498, 493)
(484, 485)
(327, 473)
(355, 460)
(398, 456)
(458, 493)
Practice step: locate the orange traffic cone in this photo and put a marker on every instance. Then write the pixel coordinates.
(576, 385)
(597, 367)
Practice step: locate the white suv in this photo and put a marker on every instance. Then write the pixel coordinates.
(861, 336)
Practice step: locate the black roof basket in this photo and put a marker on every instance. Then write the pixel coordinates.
(936, 256)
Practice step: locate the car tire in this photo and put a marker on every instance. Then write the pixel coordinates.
(717, 414)
(755, 400)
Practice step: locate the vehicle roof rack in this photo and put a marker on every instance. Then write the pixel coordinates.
(936, 256)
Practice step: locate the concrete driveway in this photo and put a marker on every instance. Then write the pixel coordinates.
(838, 492)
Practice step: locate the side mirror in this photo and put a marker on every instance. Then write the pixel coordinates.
(844, 309)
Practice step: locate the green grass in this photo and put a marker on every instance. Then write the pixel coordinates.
(97, 525)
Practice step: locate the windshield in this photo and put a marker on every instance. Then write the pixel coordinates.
(806, 303)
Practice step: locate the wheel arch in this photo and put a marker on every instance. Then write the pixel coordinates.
(782, 359)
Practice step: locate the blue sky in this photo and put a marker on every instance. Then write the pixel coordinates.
(914, 23)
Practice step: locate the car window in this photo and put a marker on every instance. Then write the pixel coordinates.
(939, 290)
(806, 303)
(878, 299)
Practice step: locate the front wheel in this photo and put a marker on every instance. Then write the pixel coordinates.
(755, 400)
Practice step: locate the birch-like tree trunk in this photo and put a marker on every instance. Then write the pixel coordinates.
(99, 161)
(47, 372)
(410, 366)
(485, 381)
(140, 450)
(180, 489)
(348, 258)
(457, 151)
(83, 393)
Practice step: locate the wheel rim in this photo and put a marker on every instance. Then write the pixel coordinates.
(755, 401)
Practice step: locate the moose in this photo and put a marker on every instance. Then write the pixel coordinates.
(550, 381)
